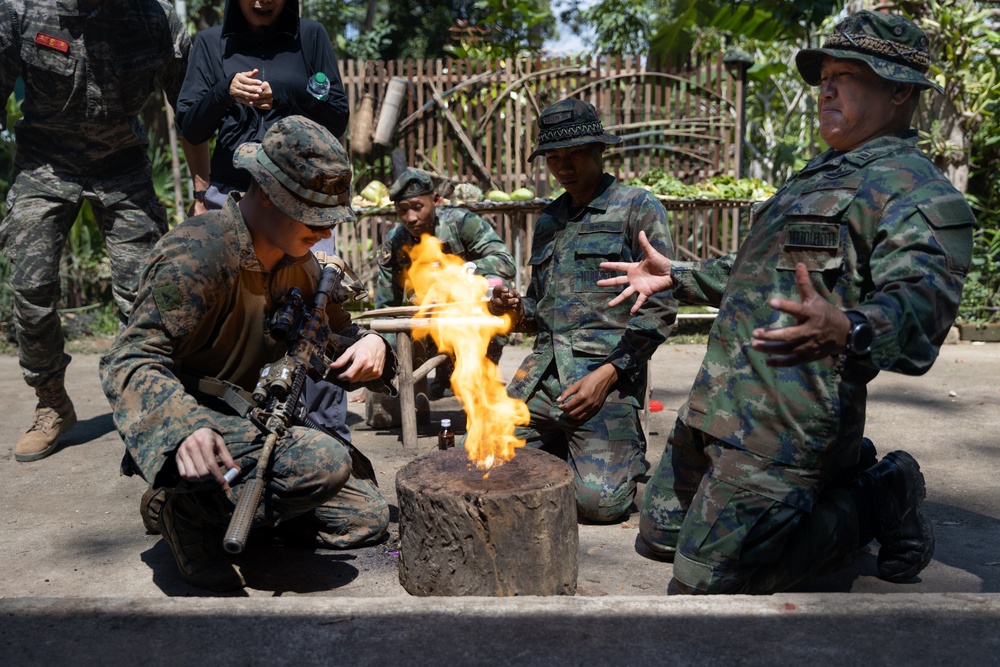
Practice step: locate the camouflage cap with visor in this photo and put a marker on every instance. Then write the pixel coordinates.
(411, 183)
(893, 46)
(303, 169)
(569, 123)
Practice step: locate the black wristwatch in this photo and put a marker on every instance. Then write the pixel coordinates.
(200, 194)
(860, 336)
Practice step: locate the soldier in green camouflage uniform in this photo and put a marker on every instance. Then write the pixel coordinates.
(200, 320)
(88, 69)
(585, 381)
(854, 266)
(462, 233)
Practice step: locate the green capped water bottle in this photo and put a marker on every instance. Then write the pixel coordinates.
(318, 86)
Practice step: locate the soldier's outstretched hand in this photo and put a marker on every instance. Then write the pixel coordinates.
(647, 277)
(506, 300)
(820, 330)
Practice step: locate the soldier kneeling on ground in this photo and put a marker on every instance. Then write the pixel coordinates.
(461, 233)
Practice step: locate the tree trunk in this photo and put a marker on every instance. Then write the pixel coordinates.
(369, 16)
(511, 531)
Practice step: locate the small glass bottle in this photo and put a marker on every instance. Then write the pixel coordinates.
(446, 437)
(318, 86)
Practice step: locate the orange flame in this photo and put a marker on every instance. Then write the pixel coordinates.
(461, 325)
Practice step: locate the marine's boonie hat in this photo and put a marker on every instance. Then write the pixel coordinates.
(303, 169)
(893, 46)
(411, 183)
(570, 123)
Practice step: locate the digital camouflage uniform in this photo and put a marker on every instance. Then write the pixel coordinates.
(461, 233)
(202, 308)
(883, 233)
(577, 332)
(87, 74)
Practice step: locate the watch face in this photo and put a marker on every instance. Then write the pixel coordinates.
(862, 337)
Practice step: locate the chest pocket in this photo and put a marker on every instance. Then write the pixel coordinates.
(541, 256)
(49, 76)
(138, 59)
(814, 234)
(598, 241)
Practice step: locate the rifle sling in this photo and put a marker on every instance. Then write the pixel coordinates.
(234, 396)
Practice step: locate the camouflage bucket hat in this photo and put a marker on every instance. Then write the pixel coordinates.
(303, 169)
(570, 123)
(893, 46)
(411, 183)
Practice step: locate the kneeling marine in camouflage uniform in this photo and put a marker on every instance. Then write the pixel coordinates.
(201, 323)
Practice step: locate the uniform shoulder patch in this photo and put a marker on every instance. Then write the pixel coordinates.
(947, 211)
(168, 297)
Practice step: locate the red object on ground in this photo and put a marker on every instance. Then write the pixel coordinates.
(655, 406)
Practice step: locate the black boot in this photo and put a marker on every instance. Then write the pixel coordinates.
(889, 497)
(867, 457)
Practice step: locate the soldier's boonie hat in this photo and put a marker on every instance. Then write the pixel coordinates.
(411, 183)
(570, 123)
(303, 169)
(893, 46)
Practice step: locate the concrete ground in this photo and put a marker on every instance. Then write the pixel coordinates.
(81, 580)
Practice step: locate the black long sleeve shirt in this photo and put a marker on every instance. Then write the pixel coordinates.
(286, 57)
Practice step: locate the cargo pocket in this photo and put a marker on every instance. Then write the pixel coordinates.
(588, 343)
(951, 222)
(138, 59)
(539, 262)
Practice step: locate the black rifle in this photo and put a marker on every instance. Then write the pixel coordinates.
(276, 396)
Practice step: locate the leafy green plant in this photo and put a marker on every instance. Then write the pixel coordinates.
(981, 296)
(659, 182)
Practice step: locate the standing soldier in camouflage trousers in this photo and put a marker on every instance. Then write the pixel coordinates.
(585, 382)
(88, 69)
(766, 481)
(200, 326)
(461, 233)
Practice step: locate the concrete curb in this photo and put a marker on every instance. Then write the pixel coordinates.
(916, 629)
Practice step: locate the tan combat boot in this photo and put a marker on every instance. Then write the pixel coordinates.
(195, 539)
(54, 415)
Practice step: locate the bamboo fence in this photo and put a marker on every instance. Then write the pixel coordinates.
(474, 121)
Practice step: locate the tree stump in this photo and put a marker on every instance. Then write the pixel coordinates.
(513, 532)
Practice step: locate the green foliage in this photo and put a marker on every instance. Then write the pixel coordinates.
(665, 185)
(7, 146)
(507, 29)
(966, 48)
(767, 20)
(964, 129)
(368, 45)
(981, 296)
(780, 111)
(620, 26)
